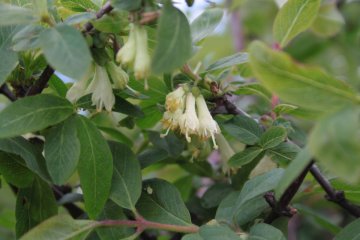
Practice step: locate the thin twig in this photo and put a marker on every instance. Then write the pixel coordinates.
(333, 195)
(104, 10)
(4, 89)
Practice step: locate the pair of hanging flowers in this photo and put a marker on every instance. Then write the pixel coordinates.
(100, 85)
(190, 114)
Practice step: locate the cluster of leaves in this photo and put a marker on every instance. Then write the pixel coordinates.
(113, 173)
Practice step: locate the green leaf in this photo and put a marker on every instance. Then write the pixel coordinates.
(294, 169)
(272, 137)
(193, 236)
(14, 170)
(123, 106)
(216, 232)
(283, 153)
(11, 15)
(9, 58)
(95, 166)
(34, 204)
(329, 20)
(56, 84)
(126, 179)
(172, 144)
(258, 185)
(244, 129)
(161, 202)
(254, 88)
(113, 22)
(264, 231)
(322, 220)
(206, 23)
(293, 18)
(113, 212)
(229, 61)
(151, 155)
(66, 50)
(173, 40)
(284, 108)
(244, 157)
(32, 114)
(335, 143)
(215, 194)
(61, 227)
(79, 5)
(307, 87)
(62, 151)
(128, 5)
(350, 232)
(31, 154)
(250, 210)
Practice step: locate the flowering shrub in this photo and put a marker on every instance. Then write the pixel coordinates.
(123, 119)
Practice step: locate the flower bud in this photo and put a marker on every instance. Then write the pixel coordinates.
(142, 58)
(126, 54)
(118, 75)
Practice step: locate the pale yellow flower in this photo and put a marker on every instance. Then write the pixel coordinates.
(189, 122)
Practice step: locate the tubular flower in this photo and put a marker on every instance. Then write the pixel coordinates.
(78, 89)
(208, 127)
(170, 121)
(127, 53)
(175, 100)
(102, 95)
(189, 122)
(142, 58)
(118, 75)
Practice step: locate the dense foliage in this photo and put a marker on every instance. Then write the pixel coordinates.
(126, 120)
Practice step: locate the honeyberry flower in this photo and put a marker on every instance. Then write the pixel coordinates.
(78, 89)
(175, 100)
(119, 77)
(142, 58)
(126, 54)
(170, 121)
(189, 122)
(100, 87)
(208, 127)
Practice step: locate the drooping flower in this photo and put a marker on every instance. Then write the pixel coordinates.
(142, 59)
(78, 89)
(175, 99)
(100, 87)
(170, 121)
(126, 54)
(208, 127)
(118, 75)
(189, 122)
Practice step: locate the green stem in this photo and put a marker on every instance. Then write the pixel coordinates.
(144, 224)
(188, 72)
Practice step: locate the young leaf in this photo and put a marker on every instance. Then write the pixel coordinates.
(62, 151)
(14, 170)
(9, 58)
(206, 23)
(126, 180)
(95, 166)
(244, 157)
(31, 154)
(293, 170)
(12, 15)
(350, 232)
(60, 227)
(173, 40)
(245, 129)
(293, 18)
(307, 87)
(32, 114)
(161, 202)
(272, 137)
(265, 231)
(34, 204)
(335, 142)
(66, 50)
(79, 5)
(229, 61)
(329, 20)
